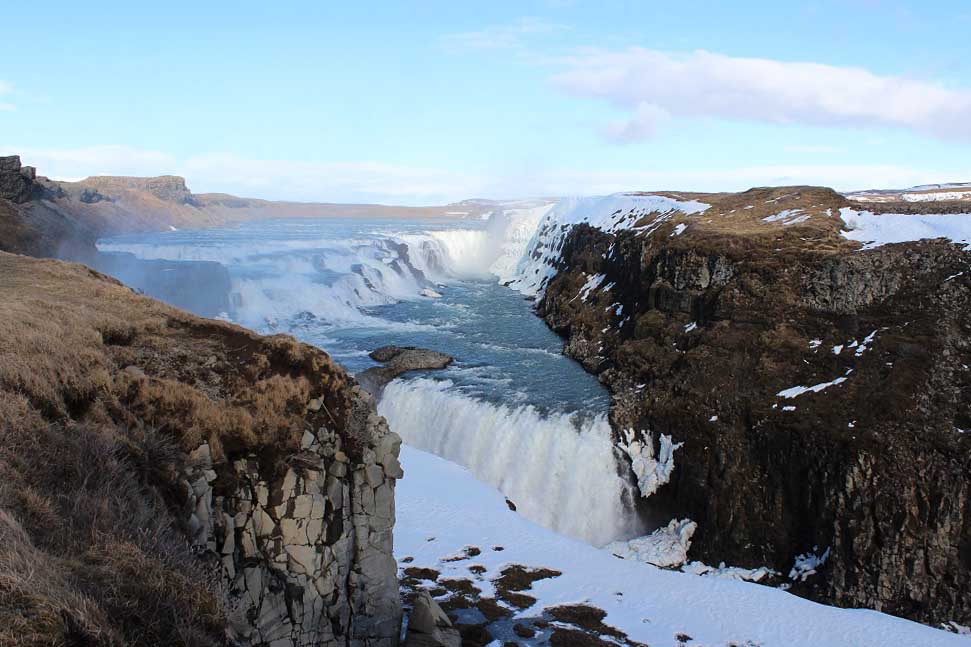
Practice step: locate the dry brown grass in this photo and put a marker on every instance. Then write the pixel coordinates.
(78, 345)
(102, 393)
(738, 218)
(89, 553)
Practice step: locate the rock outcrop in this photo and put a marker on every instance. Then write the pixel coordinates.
(278, 475)
(820, 395)
(16, 181)
(398, 360)
(429, 626)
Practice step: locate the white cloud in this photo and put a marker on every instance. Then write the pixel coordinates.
(644, 123)
(514, 36)
(706, 84)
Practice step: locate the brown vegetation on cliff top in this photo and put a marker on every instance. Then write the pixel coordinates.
(102, 392)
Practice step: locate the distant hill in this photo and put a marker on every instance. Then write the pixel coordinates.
(45, 217)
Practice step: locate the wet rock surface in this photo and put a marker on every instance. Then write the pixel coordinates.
(398, 360)
(822, 395)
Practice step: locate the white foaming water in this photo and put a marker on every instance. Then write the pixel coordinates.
(559, 471)
(338, 279)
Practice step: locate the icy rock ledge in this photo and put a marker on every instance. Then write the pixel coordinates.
(651, 471)
(665, 547)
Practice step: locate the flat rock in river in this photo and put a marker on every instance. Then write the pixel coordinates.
(398, 360)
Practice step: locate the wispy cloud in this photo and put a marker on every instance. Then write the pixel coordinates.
(652, 85)
(517, 35)
(339, 181)
(6, 88)
(78, 163)
(812, 149)
(373, 181)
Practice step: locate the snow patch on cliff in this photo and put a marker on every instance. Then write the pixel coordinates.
(874, 230)
(807, 564)
(651, 471)
(612, 213)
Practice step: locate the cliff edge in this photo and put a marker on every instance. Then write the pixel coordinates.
(803, 398)
(168, 479)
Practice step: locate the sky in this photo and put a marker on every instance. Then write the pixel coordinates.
(427, 102)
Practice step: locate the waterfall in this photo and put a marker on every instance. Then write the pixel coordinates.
(558, 469)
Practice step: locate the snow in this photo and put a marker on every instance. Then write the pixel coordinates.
(691, 326)
(728, 572)
(651, 472)
(953, 276)
(796, 391)
(441, 509)
(807, 564)
(678, 230)
(665, 547)
(865, 345)
(788, 217)
(611, 214)
(592, 283)
(875, 230)
(936, 196)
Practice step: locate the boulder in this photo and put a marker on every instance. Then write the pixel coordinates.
(428, 625)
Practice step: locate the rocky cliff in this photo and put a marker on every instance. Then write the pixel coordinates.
(813, 399)
(168, 479)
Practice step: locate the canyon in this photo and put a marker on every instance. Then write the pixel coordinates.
(788, 394)
(816, 396)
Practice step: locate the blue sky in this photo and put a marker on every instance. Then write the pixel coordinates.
(428, 101)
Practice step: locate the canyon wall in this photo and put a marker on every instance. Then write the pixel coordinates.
(821, 394)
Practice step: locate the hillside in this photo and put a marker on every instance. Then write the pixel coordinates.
(169, 480)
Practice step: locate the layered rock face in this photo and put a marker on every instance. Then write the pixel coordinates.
(307, 555)
(821, 395)
(16, 181)
(279, 478)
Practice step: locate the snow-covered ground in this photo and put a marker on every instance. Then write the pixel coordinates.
(874, 230)
(442, 509)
